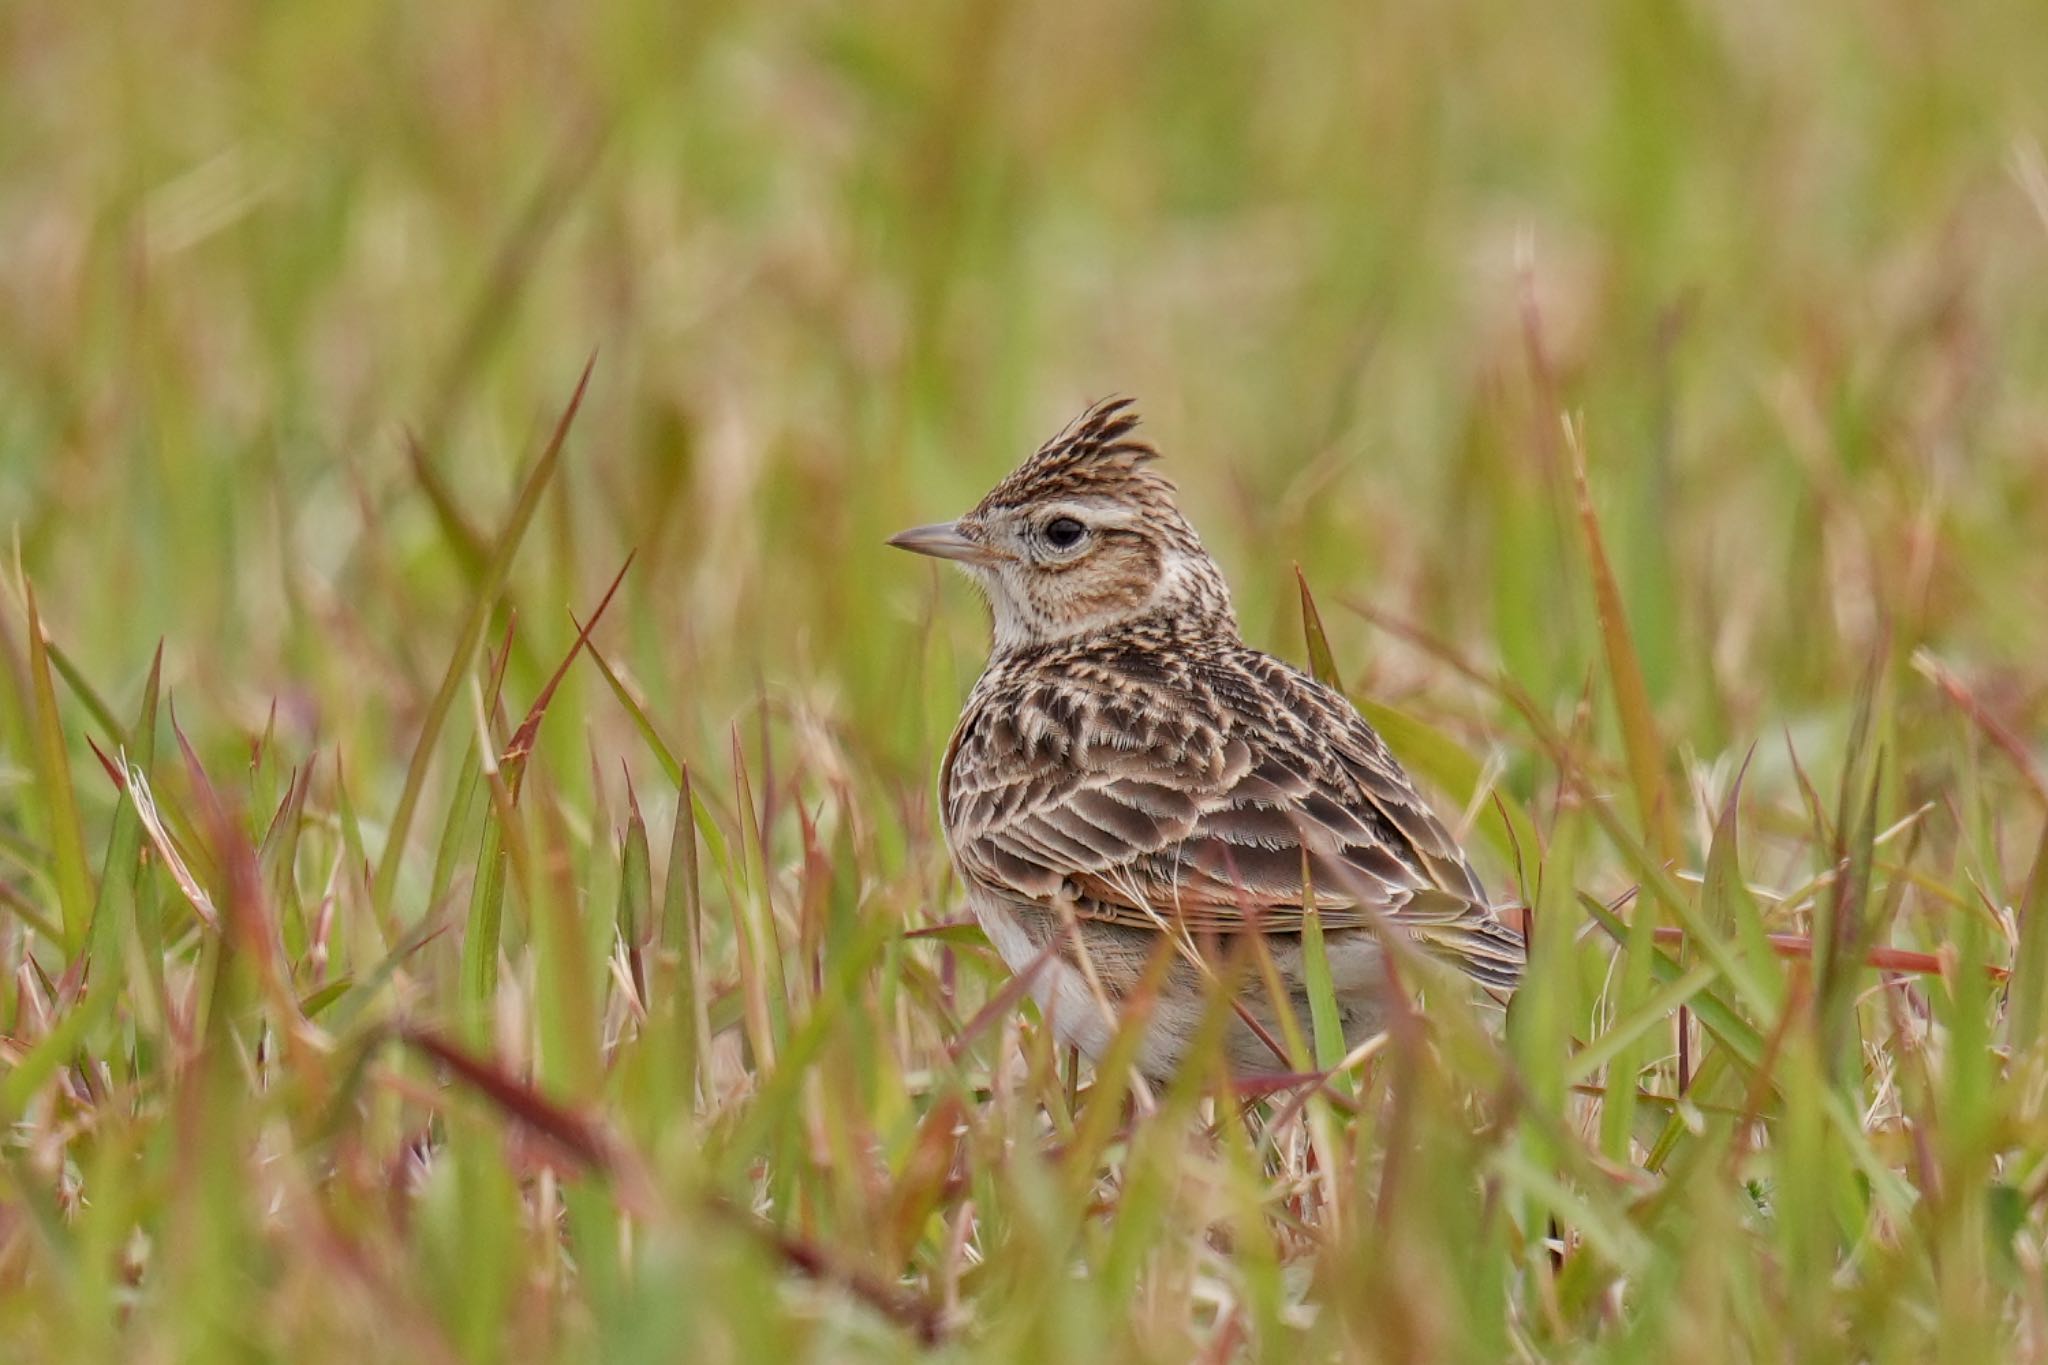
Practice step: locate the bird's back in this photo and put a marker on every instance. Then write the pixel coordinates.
(1154, 778)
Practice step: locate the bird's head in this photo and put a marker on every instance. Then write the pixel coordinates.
(1084, 536)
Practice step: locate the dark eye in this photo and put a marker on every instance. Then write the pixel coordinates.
(1064, 533)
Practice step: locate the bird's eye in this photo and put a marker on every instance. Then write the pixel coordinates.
(1064, 533)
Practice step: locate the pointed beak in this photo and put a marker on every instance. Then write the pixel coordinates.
(941, 540)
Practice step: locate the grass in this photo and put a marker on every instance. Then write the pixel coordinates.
(410, 948)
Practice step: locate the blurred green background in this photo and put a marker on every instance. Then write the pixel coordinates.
(843, 266)
(292, 294)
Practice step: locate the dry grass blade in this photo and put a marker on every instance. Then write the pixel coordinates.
(195, 895)
(1997, 731)
(1799, 947)
(1001, 1004)
(922, 1319)
(248, 919)
(513, 760)
(585, 1140)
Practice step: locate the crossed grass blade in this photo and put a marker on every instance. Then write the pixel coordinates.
(499, 564)
(1428, 750)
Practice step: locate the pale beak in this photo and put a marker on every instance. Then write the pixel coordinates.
(941, 540)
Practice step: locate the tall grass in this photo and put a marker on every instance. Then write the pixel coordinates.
(412, 948)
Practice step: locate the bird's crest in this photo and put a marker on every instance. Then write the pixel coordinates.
(1093, 454)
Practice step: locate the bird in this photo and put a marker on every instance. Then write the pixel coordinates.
(1130, 780)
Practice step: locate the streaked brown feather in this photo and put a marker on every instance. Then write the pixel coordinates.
(1186, 792)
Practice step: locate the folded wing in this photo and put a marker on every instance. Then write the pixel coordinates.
(1218, 794)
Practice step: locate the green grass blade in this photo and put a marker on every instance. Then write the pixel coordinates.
(1639, 737)
(503, 550)
(1324, 1020)
(1426, 750)
(2027, 1019)
(54, 792)
(1322, 665)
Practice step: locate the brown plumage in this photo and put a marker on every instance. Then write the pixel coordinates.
(1128, 772)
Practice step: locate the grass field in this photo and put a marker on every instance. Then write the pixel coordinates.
(1653, 397)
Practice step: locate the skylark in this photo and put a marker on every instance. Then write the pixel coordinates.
(1129, 777)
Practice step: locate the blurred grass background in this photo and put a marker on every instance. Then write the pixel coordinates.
(295, 294)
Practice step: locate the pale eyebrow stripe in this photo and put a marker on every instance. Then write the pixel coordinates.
(1098, 511)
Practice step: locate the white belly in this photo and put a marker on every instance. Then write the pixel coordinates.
(1081, 1018)
(1076, 1015)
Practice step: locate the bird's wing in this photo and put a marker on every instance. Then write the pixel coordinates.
(1204, 797)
